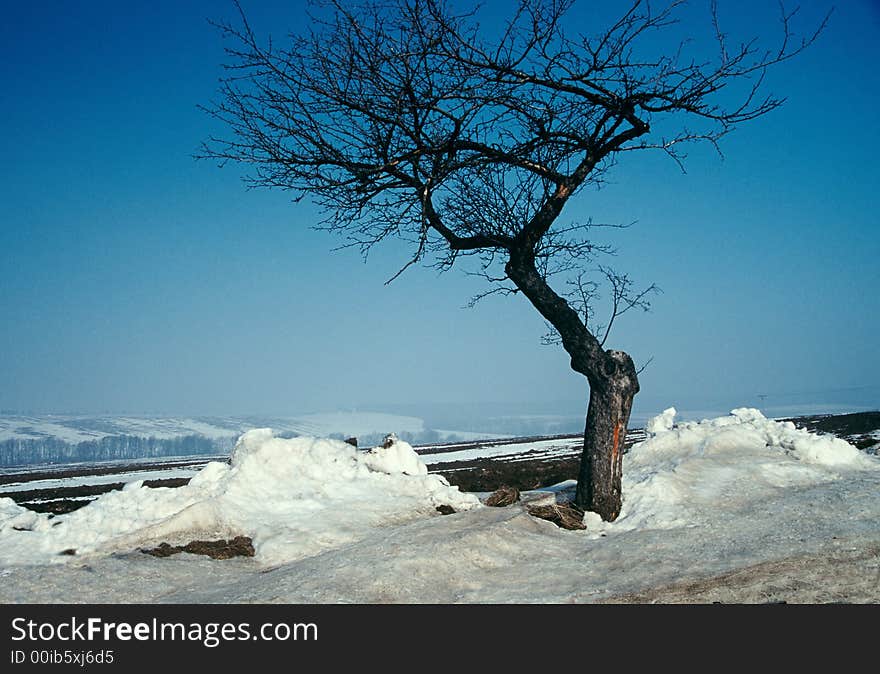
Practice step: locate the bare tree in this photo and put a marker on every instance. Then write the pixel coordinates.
(401, 118)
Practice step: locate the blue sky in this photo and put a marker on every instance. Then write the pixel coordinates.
(133, 278)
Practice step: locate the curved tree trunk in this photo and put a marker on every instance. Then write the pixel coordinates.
(601, 470)
(613, 385)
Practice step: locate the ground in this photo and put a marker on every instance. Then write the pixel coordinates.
(846, 572)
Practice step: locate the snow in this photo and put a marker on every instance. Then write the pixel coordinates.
(294, 497)
(31, 428)
(662, 422)
(82, 468)
(681, 474)
(336, 524)
(74, 429)
(49, 439)
(397, 457)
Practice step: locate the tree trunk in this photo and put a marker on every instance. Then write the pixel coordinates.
(611, 399)
(614, 383)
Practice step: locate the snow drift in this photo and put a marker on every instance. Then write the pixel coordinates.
(682, 472)
(294, 497)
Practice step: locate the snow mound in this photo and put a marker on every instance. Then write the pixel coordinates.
(662, 422)
(748, 427)
(294, 497)
(680, 473)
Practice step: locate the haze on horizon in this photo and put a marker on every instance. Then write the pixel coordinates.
(135, 279)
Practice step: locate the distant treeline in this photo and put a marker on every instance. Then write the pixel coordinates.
(29, 451)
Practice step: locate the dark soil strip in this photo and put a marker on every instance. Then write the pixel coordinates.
(859, 423)
(488, 475)
(444, 448)
(854, 428)
(110, 469)
(61, 500)
(240, 546)
(86, 490)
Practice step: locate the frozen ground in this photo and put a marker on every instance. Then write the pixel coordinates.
(90, 480)
(738, 508)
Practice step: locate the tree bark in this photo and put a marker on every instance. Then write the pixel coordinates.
(614, 383)
(601, 470)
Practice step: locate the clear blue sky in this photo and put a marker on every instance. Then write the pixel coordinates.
(133, 278)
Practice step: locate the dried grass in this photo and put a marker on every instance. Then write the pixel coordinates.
(563, 515)
(503, 496)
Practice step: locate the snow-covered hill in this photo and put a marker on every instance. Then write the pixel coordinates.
(52, 439)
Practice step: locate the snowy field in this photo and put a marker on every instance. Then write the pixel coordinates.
(27, 440)
(80, 428)
(737, 497)
(103, 479)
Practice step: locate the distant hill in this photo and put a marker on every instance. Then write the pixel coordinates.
(52, 439)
